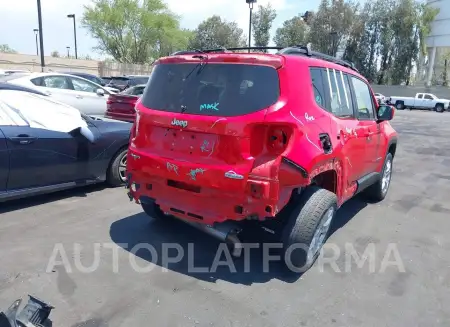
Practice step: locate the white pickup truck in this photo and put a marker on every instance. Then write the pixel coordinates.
(420, 101)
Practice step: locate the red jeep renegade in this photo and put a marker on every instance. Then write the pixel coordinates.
(221, 138)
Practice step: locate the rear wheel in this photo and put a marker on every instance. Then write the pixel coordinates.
(439, 108)
(399, 105)
(307, 228)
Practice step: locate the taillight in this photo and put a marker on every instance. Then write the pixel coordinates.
(278, 139)
(129, 99)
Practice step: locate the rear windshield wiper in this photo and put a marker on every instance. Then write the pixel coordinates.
(204, 59)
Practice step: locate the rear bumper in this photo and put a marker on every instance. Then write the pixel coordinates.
(203, 205)
(120, 116)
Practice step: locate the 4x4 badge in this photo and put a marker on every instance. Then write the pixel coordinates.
(181, 123)
(233, 175)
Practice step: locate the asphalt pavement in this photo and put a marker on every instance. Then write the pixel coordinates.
(405, 280)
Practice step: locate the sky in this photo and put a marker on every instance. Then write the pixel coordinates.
(18, 18)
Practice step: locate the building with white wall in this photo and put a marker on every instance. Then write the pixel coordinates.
(438, 42)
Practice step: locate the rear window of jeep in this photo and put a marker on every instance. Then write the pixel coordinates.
(211, 89)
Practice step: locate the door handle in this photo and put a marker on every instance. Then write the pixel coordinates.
(23, 139)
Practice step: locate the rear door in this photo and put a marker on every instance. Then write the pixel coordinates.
(203, 119)
(340, 104)
(418, 100)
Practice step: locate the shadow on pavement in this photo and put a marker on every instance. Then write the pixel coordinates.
(138, 233)
(24, 203)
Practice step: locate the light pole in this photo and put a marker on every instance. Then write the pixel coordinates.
(68, 52)
(74, 33)
(250, 5)
(41, 35)
(36, 31)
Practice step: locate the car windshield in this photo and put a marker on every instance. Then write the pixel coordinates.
(211, 89)
(119, 81)
(139, 80)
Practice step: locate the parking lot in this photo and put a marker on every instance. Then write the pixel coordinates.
(415, 218)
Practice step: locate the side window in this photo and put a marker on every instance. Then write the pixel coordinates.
(37, 81)
(55, 82)
(83, 86)
(138, 90)
(340, 97)
(428, 97)
(318, 86)
(420, 96)
(363, 99)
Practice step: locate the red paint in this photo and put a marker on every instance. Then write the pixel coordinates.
(251, 146)
(121, 107)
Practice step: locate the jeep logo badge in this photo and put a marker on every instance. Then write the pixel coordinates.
(181, 123)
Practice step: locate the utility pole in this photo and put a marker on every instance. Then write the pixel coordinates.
(250, 5)
(41, 35)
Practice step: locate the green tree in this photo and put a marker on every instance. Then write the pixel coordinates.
(406, 40)
(262, 23)
(215, 33)
(6, 49)
(134, 31)
(293, 32)
(362, 46)
(331, 25)
(386, 44)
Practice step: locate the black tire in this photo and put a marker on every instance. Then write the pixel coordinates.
(114, 175)
(302, 223)
(439, 108)
(377, 192)
(399, 105)
(153, 210)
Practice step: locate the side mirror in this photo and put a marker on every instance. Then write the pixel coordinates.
(100, 92)
(385, 112)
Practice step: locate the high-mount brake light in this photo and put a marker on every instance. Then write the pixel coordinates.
(227, 57)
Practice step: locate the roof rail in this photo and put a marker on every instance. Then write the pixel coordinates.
(305, 51)
(183, 52)
(292, 50)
